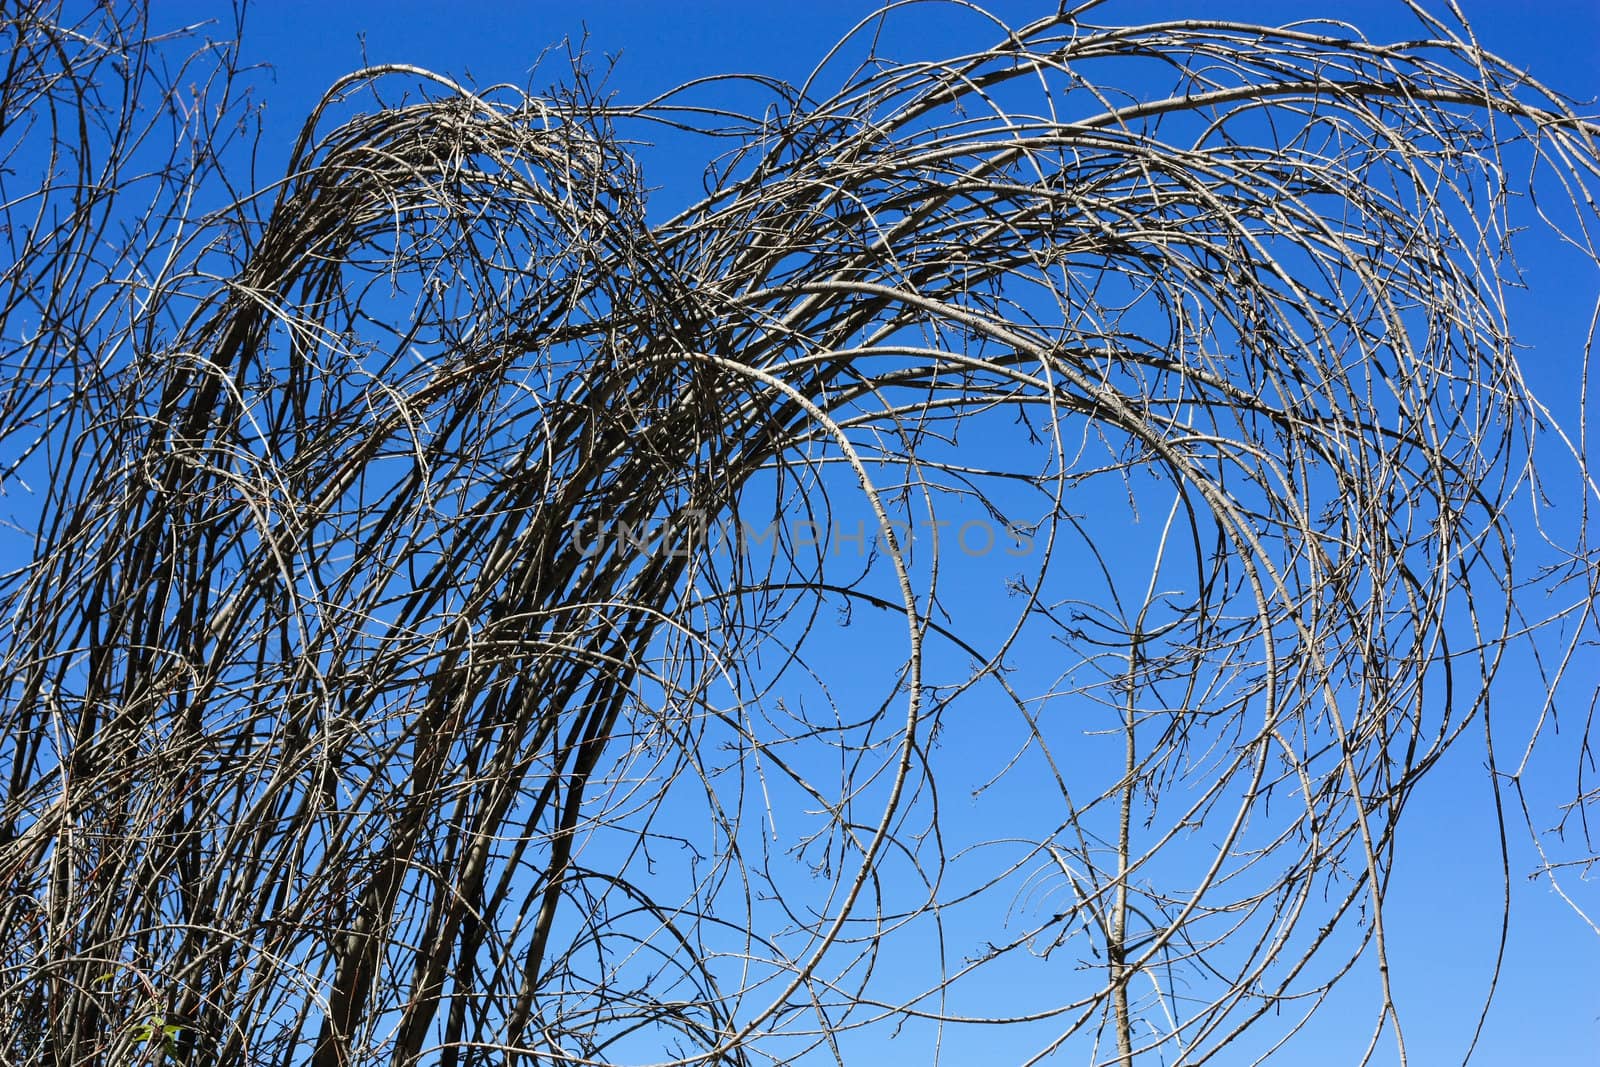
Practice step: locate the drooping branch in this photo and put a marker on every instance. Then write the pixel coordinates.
(468, 622)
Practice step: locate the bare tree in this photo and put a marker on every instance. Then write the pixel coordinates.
(465, 622)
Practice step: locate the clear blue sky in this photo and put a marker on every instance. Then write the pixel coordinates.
(1445, 903)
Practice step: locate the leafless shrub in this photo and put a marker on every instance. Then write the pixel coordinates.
(356, 707)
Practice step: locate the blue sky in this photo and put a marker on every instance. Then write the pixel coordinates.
(1445, 904)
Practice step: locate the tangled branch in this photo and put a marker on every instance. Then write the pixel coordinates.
(466, 621)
